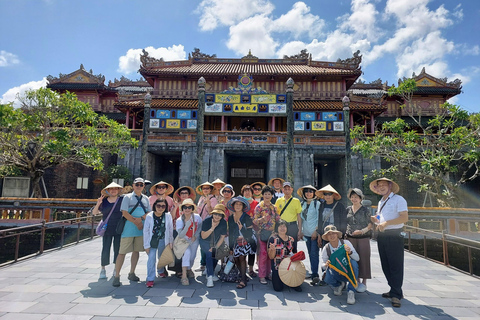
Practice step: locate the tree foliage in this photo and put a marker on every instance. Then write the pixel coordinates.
(439, 154)
(50, 129)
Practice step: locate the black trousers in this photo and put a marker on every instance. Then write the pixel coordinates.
(277, 283)
(391, 249)
(106, 247)
(292, 231)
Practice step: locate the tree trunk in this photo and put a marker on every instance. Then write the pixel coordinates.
(35, 180)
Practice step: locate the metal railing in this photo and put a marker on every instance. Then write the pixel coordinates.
(445, 239)
(81, 223)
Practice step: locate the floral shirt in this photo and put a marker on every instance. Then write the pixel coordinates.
(269, 213)
(283, 249)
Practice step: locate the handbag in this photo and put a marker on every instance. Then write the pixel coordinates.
(265, 235)
(121, 223)
(222, 251)
(102, 225)
(180, 244)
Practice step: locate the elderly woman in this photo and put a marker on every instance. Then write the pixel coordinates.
(308, 227)
(359, 232)
(157, 234)
(331, 211)
(227, 194)
(240, 236)
(257, 190)
(161, 190)
(280, 246)
(214, 230)
(247, 193)
(109, 205)
(265, 217)
(189, 226)
(205, 205)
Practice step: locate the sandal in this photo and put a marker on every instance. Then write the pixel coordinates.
(396, 303)
(263, 281)
(185, 282)
(252, 274)
(241, 285)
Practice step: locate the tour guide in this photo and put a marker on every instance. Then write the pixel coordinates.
(391, 215)
(289, 209)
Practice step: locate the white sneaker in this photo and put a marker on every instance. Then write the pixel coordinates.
(361, 288)
(215, 278)
(351, 297)
(103, 274)
(209, 281)
(338, 290)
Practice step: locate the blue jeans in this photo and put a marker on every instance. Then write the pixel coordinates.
(334, 278)
(210, 263)
(152, 260)
(313, 254)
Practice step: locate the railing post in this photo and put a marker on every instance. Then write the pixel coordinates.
(470, 266)
(444, 246)
(78, 232)
(62, 237)
(17, 247)
(425, 246)
(42, 237)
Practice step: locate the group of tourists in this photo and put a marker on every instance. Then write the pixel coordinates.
(263, 224)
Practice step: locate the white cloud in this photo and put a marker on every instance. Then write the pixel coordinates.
(214, 13)
(362, 21)
(11, 94)
(253, 33)
(298, 21)
(458, 12)
(130, 62)
(468, 50)
(8, 59)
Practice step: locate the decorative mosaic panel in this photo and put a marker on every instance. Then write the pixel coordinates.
(319, 125)
(214, 107)
(264, 98)
(329, 116)
(227, 98)
(243, 107)
(173, 124)
(277, 108)
(191, 124)
(154, 123)
(307, 116)
(163, 114)
(299, 126)
(184, 114)
(338, 126)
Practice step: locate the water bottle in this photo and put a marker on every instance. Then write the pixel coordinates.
(378, 219)
(228, 267)
(104, 227)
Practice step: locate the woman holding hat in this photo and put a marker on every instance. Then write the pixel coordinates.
(161, 190)
(280, 246)
(308, 227)
(109, 205)
(157, 234)
(189, 226)
(240, 236)
(257, 190)
(214, 231)
(247, 193)
(332, 211)
(359, 232)
(265, 217)
(227, 194)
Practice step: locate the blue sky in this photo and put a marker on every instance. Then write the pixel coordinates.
(396, 37)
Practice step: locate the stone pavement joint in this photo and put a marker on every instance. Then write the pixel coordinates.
(64, 285)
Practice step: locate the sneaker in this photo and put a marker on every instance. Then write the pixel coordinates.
(315, 281)
(361, 288)
(308, 275)
(190, 274)
(116, 282)
(133, 277)
(215, 278)
(103, 274)
(209, 281)
(338, 290)
(162, 275)
(351, 297)
(150, 284)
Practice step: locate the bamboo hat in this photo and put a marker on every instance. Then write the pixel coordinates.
(373, 185)
(219, 182)
(328, 188)
(259, 183)
(168, 185)
(192, 195)
(112, 185)
(206, 183)
(270, 183)
(300, 191)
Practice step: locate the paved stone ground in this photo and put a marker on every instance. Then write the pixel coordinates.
(64, 285)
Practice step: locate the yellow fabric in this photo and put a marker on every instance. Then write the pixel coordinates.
(293, 209)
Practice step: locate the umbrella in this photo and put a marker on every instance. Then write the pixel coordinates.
(292, 273)
(166, 258)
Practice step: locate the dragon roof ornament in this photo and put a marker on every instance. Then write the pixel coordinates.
(354, 62)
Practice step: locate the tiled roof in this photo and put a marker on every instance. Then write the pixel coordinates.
(437, 90)
(297, 105)
(206, 69)
(78, 86)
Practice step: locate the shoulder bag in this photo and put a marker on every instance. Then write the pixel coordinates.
(102, 225)
(121, 223)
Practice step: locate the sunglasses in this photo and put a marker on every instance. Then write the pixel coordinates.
(217, 214)
(161, 187)
(160, 206)
(227, 191)
(206, 188)
(138, 184)
(333, 228)
(309, 191)
(185, 192)
(328, 193)
(188, 207)
(257, 189)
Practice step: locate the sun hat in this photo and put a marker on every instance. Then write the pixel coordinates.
(192, 195)
(328, 188)
(188, 202)
(373, 185)
(357, 191)
(219, 208)
(167, 192)
(329, 229)
(138, 180)
(270, 183)
(259, 183)
(228, 186)
(111, 186)
(231, 203)
(219, 182)
(300, 191)
(206, 183)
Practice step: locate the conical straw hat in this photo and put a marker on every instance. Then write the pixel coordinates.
(166, 258)
(292, 273)
(328, 188)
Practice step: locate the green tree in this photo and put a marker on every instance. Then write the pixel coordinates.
(439, 155)
(50, 129)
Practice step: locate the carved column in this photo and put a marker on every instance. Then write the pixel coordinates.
(200, 127)
(146, 125)
(290, 128)
(348, 150)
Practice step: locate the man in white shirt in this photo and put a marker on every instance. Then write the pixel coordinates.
(391, 215)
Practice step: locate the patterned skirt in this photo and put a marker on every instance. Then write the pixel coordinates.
(242, 250)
